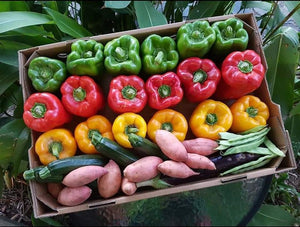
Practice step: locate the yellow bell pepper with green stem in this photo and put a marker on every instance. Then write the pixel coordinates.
(209, 118)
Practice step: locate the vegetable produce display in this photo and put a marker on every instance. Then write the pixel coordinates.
(118, 118)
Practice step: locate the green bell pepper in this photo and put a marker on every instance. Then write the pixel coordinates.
(122, 56)
(86, 58)
(47, 74)
(195, 39)
(230, 36)
(159, 54)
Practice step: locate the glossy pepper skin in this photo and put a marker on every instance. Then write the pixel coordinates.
(242, 72)
(199, 77)
(159, 54)
(230, 36)
(195, 39)
(164, 90)
(128, 123)
(47, 74)
(209, 118)
(86, 58)
(127, 94)
(248, 112)
(84, 130)
(82, 96)
(44, 111)
(170, 120)
(55, 144)
(122, 56)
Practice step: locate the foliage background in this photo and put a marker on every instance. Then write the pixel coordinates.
(26, 24)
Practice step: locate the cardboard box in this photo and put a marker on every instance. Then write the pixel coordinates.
(44, 205)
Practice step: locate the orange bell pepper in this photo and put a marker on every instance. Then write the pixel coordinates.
(248, 112)
(83, 132)
(169, 120)
(209, 118)
(55, 144)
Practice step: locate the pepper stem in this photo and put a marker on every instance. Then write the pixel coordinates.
(120, 53)
(245, 66)
(159, 58)
(79, 94)
(228, 32)
(197, 34)
(211, 118)
(252, 112)
(129, 92)
(88, 54)
(199, 76)
(131, 129)
(38, 110)
(167, 126)
(164, 91)
(55, 148)
(92, 132)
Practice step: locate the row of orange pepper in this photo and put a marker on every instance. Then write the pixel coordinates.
(208, 119)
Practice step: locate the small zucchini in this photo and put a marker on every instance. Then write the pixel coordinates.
(145, 147)
(112, 150)
(64, 166)
(33, 174)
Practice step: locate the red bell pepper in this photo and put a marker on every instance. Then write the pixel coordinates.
(81, 96)
(44, 111)
(199, 77)
(242, 73)
(164, 90)
(127, 94)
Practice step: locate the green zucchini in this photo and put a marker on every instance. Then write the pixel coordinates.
(33, 174)
(112, 150)
(145, 147)
(64, 166)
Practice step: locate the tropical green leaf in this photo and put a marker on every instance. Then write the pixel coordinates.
(282, 57)
(9, 51)
(203, 9)
(17, 19)
(295, 110)
(68, 25)
(270, 215)
(147, 15)
(8, 75)
(266, 6)
(9, 134)
(292, 125)
(35, 30)
(20, 152)
(13, 6)
(116, 4)
(44, 221)
(291, 5)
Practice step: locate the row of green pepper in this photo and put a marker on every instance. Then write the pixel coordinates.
(122, 55)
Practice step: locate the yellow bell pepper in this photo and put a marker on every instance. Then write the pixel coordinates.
(128, 123)
(209, 118)
(169, 120)
(83, 132)
(55, 144)
(248, 112)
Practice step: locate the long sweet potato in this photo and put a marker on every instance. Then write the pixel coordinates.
(110, 183)
(83, 175)
(74, 196)
(201, 146)
(142, 169)
(129, 188)
(197, 161)
(54, 188)
(176, 169)
(170, 145)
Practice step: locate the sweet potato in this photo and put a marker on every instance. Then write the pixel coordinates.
(129, 188)
(170, 145)
(176, 169)
(143, 169)
(202, 146)
(73, 196)
(110, 183)
(83, 175)
(54, 188)
(197, 161)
